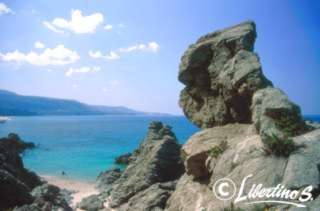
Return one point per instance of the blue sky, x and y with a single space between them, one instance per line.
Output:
135 47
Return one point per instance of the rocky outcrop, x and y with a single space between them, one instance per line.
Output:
221 72
46 197
21 189
242 156
157 160
225 84
250 127
16 182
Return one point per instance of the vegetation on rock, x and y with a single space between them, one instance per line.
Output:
216 151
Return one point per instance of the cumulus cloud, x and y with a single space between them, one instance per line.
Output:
4 9
108 27
82 70
59 55
112 55
38 44
78 23
98 55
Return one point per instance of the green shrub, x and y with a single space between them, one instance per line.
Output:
279 147
216 151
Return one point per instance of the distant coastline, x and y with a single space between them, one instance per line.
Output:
13 104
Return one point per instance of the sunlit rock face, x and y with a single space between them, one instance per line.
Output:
220 73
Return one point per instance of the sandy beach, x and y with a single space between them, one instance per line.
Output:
81 189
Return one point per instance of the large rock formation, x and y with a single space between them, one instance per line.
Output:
225 88
156 161
16 182
225 84
221 72
21 189
242 156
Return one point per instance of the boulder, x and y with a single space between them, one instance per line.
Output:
46 197
275 115
91 203
220 73
157 160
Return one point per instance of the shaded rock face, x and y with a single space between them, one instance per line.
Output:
106 179
243 157
16 182
157 160
221 73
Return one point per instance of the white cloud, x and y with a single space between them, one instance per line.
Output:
151 46
52 28
98 55
113 55
38 44
82 70
55 56
4 9
78 23
108 27
75 86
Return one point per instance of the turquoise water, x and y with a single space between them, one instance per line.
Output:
83 146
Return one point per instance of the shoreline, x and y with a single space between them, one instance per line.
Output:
80 189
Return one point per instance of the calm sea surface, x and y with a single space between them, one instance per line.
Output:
83 146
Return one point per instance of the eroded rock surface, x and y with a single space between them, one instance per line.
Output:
242 157
16 182
156 161
221 72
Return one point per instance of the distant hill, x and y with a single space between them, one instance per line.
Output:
12 104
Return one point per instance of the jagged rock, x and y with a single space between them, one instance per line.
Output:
221 73
107 178
153 198
242 157
275 115
157 160
16 182
91 203
46 197
14 143
123 159
13 192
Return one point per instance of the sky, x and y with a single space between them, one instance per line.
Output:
127 53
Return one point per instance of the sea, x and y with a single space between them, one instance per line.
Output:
84 146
